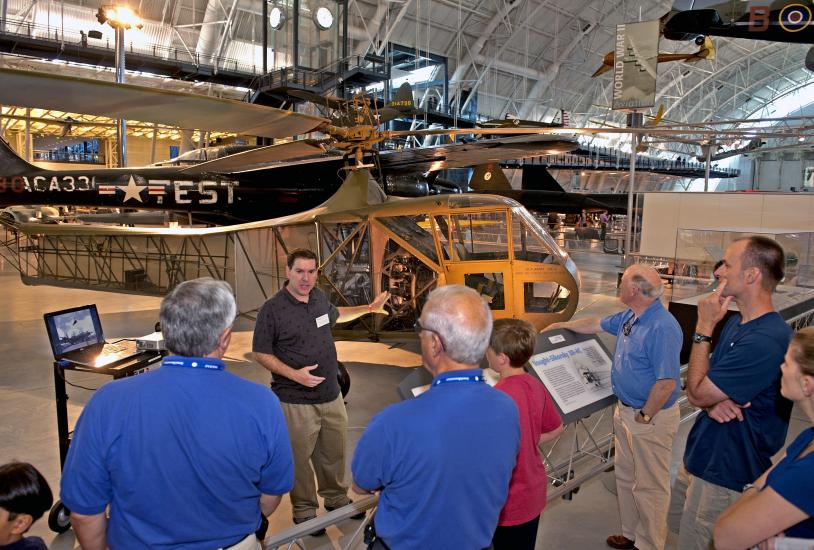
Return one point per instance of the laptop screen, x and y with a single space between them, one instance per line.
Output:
72 329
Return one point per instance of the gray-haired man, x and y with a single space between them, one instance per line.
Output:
645 378
185 456
446 457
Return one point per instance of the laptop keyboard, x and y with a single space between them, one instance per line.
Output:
115 348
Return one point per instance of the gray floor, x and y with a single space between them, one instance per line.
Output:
28 431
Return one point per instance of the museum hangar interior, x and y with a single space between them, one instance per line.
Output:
503 99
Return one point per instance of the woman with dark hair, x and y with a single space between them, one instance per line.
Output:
781 501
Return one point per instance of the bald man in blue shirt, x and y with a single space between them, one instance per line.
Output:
645 379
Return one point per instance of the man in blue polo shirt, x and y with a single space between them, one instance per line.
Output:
745 419
187 456
442 462
645 378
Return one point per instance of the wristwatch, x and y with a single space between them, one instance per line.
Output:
645 417
697 338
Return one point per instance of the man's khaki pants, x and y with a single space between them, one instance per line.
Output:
318 434
642 466
702 503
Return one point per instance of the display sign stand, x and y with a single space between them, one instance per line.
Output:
574 368
576 371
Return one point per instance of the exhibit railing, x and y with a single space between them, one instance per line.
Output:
603 158
324 79
290 538
62 37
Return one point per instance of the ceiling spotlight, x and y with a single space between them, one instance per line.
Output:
119 17
276 17
323 18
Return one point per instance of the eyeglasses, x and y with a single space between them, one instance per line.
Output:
418 328
627 326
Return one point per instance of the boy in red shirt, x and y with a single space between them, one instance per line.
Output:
510 347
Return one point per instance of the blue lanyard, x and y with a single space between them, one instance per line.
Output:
451 379
207 363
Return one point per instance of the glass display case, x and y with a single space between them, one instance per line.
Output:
698 251
697 254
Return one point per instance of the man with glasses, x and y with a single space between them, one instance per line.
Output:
442 462
186 456
645 379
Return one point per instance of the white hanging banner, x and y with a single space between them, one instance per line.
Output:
635 65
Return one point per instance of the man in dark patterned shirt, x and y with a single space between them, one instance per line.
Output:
292 339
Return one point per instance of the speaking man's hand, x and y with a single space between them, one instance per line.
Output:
307 379
377 305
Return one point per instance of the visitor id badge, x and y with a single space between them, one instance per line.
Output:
322 320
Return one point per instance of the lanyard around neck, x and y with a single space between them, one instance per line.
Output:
454 379
207 363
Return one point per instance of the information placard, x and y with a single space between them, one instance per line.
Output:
575 375
576 371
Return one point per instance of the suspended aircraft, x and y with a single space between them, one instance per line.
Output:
514 122
545 194
232 184
719 154
705 52
777 21
261 182
366 242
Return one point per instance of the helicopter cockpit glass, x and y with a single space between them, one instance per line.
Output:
442 230
531 228
415 230
528 245
479 236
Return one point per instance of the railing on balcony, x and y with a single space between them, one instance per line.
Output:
65 37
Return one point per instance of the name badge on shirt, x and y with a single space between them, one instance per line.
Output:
322 320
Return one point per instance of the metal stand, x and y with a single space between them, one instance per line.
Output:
59 519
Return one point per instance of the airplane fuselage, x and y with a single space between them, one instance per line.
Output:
247 197
780 21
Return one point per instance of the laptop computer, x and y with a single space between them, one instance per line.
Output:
76 335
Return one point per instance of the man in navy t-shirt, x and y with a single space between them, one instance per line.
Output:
442 462
186 457
744 419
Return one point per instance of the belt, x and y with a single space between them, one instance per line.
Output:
249 542
626 405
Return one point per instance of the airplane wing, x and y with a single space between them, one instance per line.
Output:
439 157
457 155
128 101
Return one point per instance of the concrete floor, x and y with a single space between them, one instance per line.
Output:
28 431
